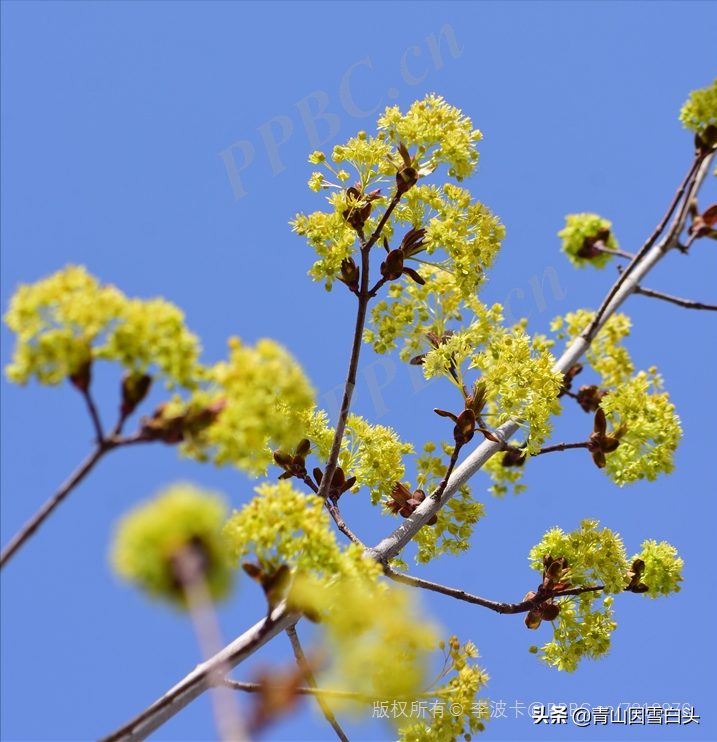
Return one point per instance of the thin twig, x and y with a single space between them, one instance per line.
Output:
44 512
504 608
301 691
103 446
687 303
93 414
333 509
350 385
608 251
305 668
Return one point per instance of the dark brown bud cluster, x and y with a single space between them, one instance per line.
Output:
82 378
135 388
274 582
554 574
470 420
294 465
635 574
589 248
588 397
404 502
339 483
407 176
569 377
706 142
703 224
393 267
600 442
175 428
350 274
360 206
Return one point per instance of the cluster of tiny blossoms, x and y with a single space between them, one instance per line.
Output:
700 109
597 557
606 354
377 646
456 521
439 131
69 319
580 228
466 680
585 623
150 539
663 568
521 384
653 430
648 447
371 453
431 133
466 231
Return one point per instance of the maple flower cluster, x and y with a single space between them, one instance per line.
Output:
69 319
584 624
150 539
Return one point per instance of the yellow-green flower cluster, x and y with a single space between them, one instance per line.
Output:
379 639
663 568
521 384
440 131
469 234
371 453
582 630
151 537
585 622
578 228
459 693
285 526
369 156
456 520
505 478
433 133
606 354
265 397
700 109
412 310
331 237
648 447
595 556
374 455
68 319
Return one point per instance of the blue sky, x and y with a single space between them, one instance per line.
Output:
118 126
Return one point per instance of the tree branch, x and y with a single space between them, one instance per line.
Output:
303 664
363 300
505 608
687 303
104 445
671 240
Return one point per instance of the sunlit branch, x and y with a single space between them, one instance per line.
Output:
303 664
671 240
